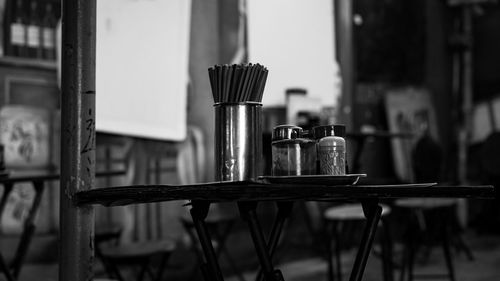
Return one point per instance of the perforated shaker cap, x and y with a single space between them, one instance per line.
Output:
328 131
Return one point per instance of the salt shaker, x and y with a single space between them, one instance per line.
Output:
292 154
331 149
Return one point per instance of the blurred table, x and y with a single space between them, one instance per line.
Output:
9 179
248 194
360 138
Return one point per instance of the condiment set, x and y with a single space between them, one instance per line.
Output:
321 151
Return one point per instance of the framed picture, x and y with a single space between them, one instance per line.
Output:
25 133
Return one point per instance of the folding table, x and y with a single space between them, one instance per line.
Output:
248 194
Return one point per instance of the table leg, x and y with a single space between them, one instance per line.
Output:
211 270
249 214
372 213
284 210
5 269
28 230
3 266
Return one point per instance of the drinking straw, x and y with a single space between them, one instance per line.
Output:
237 69
237 82
243 77
229 79
242 94
219 81
212 86
223 74
248 88
262 86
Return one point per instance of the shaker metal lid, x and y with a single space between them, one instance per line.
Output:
328 131
286 132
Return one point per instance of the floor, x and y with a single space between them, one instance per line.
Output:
484 267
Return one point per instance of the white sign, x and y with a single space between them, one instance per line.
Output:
142 67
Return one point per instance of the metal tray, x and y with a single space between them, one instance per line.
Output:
349 179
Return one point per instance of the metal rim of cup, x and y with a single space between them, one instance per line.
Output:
255 103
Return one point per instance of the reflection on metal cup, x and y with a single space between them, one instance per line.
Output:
238 141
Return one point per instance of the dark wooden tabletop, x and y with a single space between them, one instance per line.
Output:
262 191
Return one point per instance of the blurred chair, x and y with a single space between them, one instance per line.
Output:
487 217
102 236
27 135
191 164
142 254
431 222
220 225
419 159
339 221
430 219
146 255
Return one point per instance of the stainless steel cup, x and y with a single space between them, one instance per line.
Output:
238 141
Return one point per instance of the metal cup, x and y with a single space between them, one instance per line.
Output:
238 141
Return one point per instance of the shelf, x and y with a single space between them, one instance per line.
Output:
258 191
28 63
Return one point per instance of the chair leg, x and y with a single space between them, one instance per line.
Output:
328 229
411 258
404 262
221 238
387 262
5 269
161 267
115 271
447 254
462 246
338 259
408 256
143 270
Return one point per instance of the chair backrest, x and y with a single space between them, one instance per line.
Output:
409 111
157 162
490 158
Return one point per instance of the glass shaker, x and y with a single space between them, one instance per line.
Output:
331 149
292 153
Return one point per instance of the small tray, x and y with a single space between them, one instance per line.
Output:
349 179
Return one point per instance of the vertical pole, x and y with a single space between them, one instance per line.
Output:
77 138
464 134
345 57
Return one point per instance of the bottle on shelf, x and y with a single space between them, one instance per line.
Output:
49 23
17 45
34 32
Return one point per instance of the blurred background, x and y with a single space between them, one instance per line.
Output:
416 82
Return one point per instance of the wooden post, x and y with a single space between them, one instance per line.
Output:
345 57
77 138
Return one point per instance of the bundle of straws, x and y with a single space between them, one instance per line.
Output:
237 82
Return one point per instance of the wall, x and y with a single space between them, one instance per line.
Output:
204 52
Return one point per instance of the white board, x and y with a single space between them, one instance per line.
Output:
294 39
142 67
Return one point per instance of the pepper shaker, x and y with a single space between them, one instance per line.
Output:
331 149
